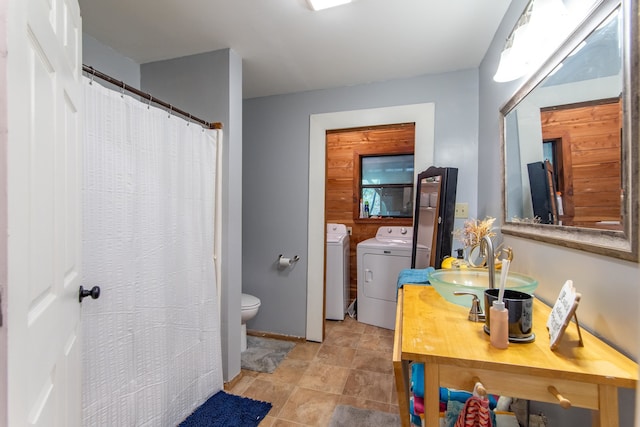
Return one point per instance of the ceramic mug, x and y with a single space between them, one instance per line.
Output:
520 306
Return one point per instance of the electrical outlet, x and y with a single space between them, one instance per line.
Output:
349 231
462 210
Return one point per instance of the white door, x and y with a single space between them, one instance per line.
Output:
44 217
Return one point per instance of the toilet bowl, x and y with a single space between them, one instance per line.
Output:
250 306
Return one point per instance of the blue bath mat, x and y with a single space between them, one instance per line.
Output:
228 410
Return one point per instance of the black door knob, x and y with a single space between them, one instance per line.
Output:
93 293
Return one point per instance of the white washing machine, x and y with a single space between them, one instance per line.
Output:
380 260
337 286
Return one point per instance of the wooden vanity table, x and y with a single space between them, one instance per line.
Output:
457 353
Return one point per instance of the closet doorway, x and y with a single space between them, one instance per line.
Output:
423 115
345 150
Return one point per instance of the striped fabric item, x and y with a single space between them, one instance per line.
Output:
475 413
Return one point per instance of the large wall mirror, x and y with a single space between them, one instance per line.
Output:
570 140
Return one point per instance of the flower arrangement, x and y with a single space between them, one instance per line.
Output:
474 231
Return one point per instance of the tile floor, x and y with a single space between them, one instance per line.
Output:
351 367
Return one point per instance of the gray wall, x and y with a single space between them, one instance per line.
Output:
197 83
276 181
4 217
110 62
609 287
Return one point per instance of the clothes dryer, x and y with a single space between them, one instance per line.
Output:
380 260
338 272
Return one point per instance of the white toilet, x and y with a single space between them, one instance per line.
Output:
250 306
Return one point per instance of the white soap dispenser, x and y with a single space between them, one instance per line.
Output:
499 316
499 325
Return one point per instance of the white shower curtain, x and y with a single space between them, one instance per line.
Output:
151 342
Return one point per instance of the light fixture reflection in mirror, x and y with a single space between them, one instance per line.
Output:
570 156
542 27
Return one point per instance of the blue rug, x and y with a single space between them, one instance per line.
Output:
228 410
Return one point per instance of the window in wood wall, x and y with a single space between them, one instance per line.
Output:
386 186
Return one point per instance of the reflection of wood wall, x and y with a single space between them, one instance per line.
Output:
590 156
342 186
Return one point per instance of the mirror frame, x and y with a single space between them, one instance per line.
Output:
617 244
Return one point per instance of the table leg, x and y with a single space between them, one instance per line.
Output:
431 395
401 372
607 416
400 366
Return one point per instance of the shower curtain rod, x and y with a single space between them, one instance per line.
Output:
122 85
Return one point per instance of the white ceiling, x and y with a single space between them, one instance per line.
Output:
288 48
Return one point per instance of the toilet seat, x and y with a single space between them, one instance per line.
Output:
249 302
